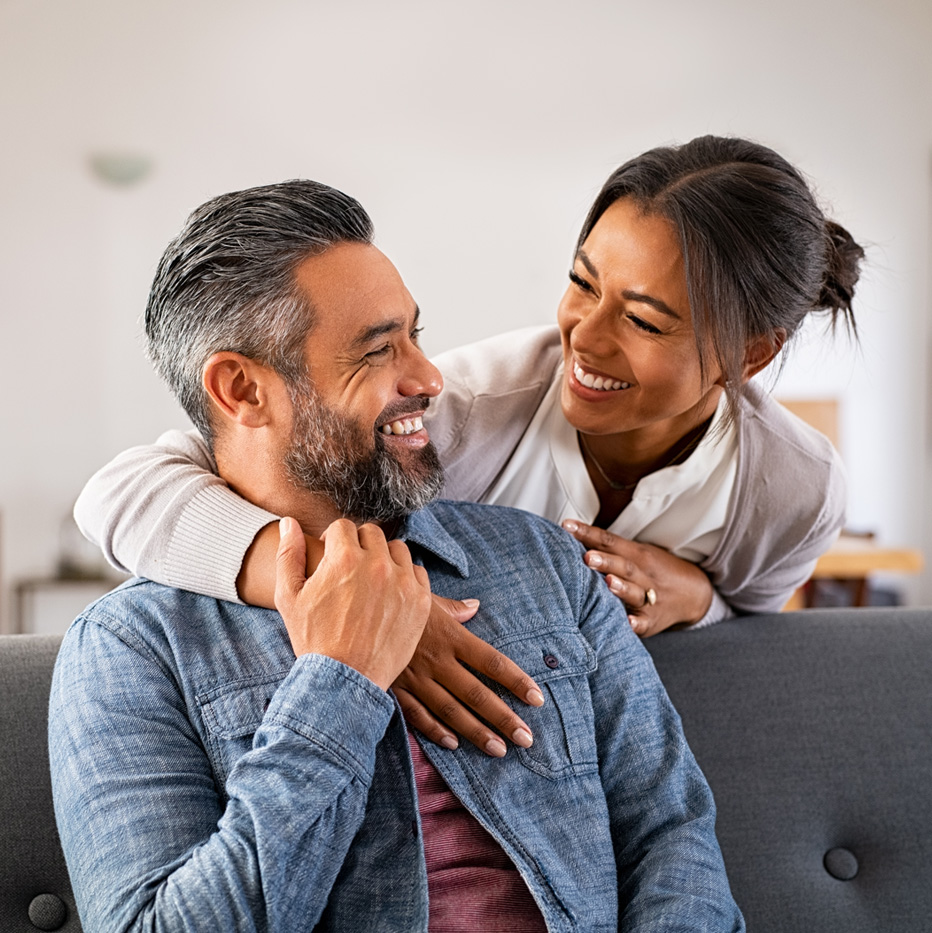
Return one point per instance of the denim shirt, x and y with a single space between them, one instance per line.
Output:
204 779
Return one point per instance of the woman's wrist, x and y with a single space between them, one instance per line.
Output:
255 583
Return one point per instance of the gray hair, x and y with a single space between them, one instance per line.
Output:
226 283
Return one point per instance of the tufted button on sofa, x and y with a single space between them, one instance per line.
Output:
35 893
814 729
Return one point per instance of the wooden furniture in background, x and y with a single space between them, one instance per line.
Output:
821 414
851 560
854 556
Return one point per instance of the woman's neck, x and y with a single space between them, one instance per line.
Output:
618 462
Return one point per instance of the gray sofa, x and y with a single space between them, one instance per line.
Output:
814 729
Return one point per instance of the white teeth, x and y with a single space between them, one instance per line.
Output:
602 383
403 426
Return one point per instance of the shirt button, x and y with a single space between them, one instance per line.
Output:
551 660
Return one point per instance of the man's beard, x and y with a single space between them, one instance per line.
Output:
329 455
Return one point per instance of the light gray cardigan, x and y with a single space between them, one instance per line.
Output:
786 508
161 512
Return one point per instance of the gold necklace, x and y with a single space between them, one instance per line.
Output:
627 487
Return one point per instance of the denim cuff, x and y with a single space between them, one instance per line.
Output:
334 706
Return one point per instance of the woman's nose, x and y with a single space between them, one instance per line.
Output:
591 333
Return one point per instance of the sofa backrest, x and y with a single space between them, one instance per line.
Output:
814 730
35 893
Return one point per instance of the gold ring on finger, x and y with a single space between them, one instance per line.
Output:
650 596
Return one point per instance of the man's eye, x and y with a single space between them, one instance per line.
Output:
416 334
380 352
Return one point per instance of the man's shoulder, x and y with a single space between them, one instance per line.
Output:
483 515
141 599
505 532
160 620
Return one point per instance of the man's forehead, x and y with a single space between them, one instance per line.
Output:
355 289
343 266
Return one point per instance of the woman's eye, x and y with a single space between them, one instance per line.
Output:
579 281
641 324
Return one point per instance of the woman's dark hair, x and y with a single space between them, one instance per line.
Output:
759 253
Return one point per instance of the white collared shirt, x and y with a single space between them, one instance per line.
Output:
681 508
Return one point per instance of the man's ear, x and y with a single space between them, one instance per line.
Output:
761 351
240 388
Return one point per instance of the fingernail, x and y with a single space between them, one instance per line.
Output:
470 603
449 742
283 526
522 737
634 623
535 697
594 560
570 525
495 748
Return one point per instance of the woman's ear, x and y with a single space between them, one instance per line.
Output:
761 351
239 388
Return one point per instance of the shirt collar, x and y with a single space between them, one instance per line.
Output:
424 529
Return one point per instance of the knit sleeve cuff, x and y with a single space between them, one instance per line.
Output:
717 611
207 546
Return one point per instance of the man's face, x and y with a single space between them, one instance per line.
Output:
356 433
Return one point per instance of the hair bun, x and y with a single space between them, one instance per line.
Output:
842 271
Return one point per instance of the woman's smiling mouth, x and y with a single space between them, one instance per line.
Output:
598 382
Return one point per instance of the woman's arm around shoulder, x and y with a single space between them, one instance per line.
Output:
161 512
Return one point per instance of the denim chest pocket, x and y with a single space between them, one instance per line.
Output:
231 714
560 662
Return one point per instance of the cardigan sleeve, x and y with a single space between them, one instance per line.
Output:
160 511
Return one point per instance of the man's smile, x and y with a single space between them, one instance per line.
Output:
403 426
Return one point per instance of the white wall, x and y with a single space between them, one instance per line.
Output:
475 134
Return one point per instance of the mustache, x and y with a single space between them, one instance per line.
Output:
405 406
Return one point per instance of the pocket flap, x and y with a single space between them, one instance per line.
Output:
549 654
236 709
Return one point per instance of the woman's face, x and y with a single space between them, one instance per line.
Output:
632 364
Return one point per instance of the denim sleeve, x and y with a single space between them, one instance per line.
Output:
150 841
671 876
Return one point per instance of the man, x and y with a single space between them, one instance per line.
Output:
222 767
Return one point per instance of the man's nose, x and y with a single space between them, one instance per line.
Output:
421 377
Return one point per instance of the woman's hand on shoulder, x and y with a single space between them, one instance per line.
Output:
658 589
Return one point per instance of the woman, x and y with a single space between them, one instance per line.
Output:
634 422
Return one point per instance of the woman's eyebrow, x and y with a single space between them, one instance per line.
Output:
661 306
628 294
584 259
